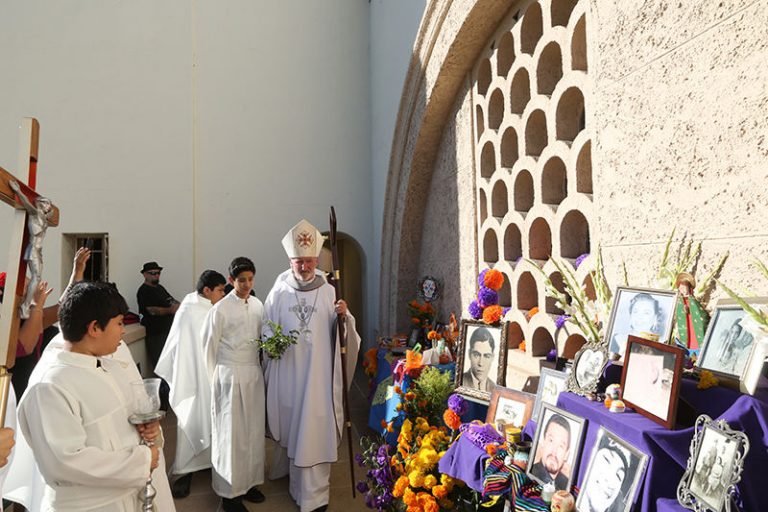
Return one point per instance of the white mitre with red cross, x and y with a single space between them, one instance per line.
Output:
303 241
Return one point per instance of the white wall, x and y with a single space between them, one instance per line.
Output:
394 24
192 132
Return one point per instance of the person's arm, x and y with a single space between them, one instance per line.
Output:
82 256
163 311
32 328
211 333
31 209
6 444
50 422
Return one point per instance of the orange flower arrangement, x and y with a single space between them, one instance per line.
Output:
493 279
492 314
451 419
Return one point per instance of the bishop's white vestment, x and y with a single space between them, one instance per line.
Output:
230 333
25 484
304 394
182 365
76 421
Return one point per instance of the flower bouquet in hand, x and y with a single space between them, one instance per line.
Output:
276 345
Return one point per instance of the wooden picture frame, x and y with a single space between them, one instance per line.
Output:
476 377
628 309
573 434
510 406
714 467
613 474
588 365
551 384
729 351
650 380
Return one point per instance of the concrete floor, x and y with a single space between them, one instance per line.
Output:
202 498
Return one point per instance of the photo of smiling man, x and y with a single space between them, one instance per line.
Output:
556 446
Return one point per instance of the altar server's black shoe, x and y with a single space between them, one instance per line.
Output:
233 505
180 488
254 495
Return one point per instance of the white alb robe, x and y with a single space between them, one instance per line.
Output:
182 365
25 484
230 333
304 394
76 421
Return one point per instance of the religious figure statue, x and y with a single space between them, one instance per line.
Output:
691 319
39 216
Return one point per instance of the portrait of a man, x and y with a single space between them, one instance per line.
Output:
612 475
480 359
557 442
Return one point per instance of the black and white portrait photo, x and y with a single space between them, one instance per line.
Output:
613 474
640 312
482 352
588 364
556 446
651 379
727 344
715 466
551 384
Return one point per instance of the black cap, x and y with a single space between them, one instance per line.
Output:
151 265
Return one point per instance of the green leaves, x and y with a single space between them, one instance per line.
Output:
276 345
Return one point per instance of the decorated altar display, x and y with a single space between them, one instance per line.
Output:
664 407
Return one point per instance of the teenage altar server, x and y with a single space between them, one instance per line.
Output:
304 401
231 332
182 365
76 417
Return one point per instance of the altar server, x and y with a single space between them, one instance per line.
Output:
231 333
182 365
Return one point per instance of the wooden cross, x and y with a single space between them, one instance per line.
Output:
17 267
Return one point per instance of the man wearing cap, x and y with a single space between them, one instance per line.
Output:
304 399
156 307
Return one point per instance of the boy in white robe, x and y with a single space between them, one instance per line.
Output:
182 365
304 394
231 332
76 418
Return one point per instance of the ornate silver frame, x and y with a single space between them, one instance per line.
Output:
689 498
572 383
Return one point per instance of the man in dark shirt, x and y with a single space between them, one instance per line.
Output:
157 308
554 451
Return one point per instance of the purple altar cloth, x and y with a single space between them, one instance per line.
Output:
668 450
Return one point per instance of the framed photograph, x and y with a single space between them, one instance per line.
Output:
614 473
481 359
714 467
556 447
640 312
510 407
551 384
729 350
651 379
588 364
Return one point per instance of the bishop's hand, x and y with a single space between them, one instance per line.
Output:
341 307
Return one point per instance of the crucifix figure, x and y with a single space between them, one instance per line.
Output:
39 216
18 239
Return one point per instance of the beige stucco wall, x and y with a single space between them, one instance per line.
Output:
677 104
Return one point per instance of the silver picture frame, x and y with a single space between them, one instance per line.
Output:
714 467
588 365
551 384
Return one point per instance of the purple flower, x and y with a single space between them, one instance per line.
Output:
362 487
475 311
369 500
504 312
481 278
560 321
359 460
552 355
382 457
487 297
457 404
580 259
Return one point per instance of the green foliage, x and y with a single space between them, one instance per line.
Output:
432 390
686 257
757 315
276 345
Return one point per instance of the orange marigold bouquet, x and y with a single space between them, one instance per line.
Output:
486 305
422 313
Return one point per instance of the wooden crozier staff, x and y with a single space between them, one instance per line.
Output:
17 242
342 330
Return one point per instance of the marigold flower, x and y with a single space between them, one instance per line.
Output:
492 314
707 380
439 491
416 478
383 423
399 407
415 320
409 497
430 481
531 312
432 335
410 395
493 279
390 428
522 346
451 419
400 486
491 449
